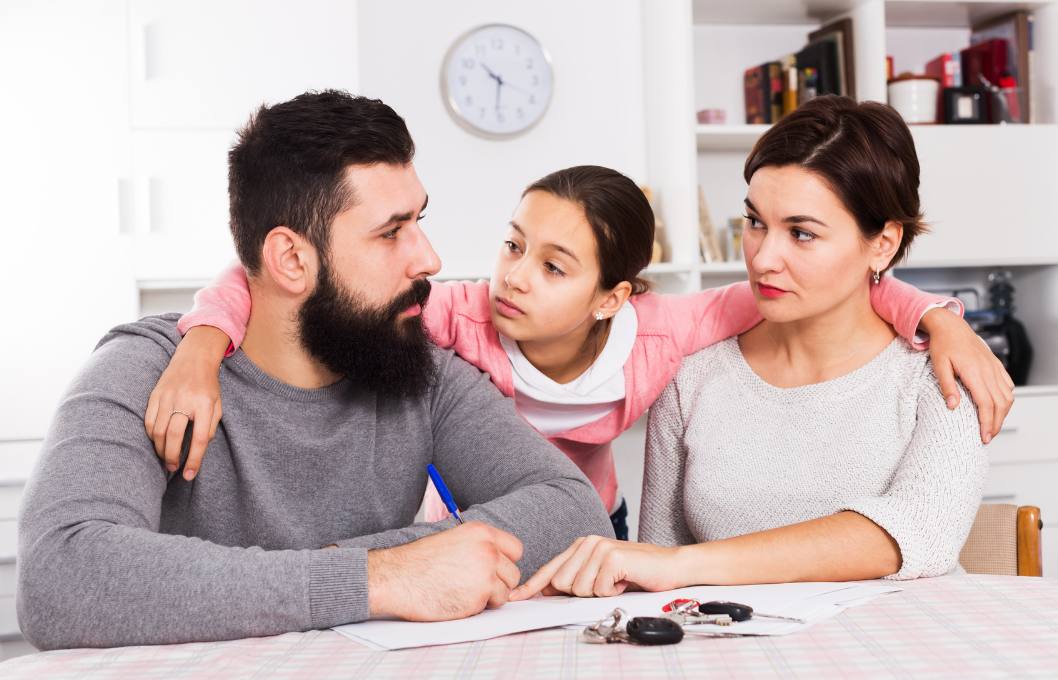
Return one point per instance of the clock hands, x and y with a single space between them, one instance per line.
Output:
500 82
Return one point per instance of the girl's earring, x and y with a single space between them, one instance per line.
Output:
877 277
598 316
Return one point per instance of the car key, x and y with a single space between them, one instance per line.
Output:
651 630
739 612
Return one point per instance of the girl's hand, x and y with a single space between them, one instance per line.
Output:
189 385
957 351
602 567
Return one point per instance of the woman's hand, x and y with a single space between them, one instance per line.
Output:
602 567
957 351
188 385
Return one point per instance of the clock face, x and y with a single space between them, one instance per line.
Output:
496 81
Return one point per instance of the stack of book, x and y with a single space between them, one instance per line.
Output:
824 66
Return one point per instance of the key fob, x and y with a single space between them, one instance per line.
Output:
650 630
737 612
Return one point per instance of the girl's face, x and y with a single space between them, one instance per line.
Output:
545 283
804 252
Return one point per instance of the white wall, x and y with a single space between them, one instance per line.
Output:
595 117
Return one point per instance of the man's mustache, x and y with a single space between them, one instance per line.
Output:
419 294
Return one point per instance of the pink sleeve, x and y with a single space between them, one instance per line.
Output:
223 304
903 305
702 319
439 313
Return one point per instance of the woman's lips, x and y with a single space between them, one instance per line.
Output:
770 291
508 308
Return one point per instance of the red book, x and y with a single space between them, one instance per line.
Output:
988 59
946 67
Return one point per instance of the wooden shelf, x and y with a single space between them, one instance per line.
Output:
728 137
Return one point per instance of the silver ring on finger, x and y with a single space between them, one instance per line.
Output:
182 413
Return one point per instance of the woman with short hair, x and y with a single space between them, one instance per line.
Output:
817 446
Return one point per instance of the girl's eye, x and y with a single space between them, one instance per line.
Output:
422 217
392 234
754 223
512 246
552 269
802 236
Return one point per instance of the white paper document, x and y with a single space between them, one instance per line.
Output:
813 602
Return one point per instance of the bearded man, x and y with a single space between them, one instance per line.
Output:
333 407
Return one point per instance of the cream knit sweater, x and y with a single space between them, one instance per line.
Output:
729 454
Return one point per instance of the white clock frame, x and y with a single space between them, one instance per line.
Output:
449 97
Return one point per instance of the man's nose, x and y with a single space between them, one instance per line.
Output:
425 261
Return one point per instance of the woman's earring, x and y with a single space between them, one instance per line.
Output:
598 316
877 277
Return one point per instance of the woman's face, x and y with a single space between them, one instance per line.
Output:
804 252
545 282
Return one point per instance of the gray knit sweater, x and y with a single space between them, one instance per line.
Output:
114 550
729 454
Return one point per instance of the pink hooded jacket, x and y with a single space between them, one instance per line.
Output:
671 327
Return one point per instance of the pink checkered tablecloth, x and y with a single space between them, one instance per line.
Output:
949 627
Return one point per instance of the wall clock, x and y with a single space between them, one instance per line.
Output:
496 81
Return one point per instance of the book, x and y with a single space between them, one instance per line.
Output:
1017 29
707 240
762 87
789 83
822 58
840 34
947 68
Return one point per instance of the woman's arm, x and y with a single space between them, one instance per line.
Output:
956 350
661 519
223 304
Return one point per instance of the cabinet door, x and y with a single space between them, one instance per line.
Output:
197 64
987 192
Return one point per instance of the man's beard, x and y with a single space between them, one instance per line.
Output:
379 348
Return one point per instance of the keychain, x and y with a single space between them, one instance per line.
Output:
718 612
641 630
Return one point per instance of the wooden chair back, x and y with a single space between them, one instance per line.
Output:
1005 540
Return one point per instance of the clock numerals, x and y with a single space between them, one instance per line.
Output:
497 44
469 100
469 63
532 99
529 63
519 113
479 50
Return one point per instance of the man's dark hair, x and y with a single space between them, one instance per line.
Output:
288 167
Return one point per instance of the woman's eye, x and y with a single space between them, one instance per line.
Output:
754 223
512 246
552 269
802 236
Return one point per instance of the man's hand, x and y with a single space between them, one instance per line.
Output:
450 575
957 351
189 385
602 567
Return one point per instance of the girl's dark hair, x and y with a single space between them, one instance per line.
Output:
865 154
620 217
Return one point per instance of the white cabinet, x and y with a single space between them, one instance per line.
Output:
206 65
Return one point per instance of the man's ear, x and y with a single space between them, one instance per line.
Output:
290 260
615 299
886 245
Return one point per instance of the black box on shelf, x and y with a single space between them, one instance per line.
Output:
965 105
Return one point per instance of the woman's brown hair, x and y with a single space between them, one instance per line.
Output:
620 217
863 151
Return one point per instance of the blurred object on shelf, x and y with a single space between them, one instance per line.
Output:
1004 335
947 69
734 227
1004 100
789 82
985 62
889 70
659 252
822 58
706 234
1017 30
915 98
762 86
839 33
964 105
807 85
712 117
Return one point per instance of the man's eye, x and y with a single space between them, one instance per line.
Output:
422 217
392 234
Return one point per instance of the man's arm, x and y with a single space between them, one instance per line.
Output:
501 472
95 572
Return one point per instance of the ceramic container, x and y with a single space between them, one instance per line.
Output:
915 98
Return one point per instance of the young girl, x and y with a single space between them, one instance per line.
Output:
554 332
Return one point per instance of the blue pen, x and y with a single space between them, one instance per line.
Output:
439 484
